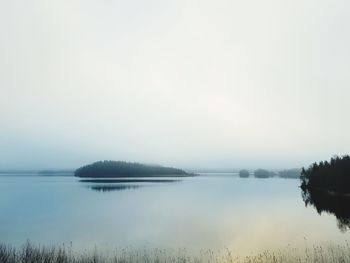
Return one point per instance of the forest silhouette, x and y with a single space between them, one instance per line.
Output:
126 169
326 187
332 176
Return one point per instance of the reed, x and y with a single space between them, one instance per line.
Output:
30 253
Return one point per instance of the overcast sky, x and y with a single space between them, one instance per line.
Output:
189 83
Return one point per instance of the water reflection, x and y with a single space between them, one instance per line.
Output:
335 204
110 188
121 184
204 212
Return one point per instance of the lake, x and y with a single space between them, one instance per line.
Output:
211 211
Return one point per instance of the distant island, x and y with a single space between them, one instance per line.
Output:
244 173
110 169
262 173
332 176
290 173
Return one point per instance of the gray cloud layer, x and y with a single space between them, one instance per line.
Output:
186 83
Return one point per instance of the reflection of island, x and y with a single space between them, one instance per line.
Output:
120 184
113 187
108 169
326 186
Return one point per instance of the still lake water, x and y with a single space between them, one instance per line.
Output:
209 211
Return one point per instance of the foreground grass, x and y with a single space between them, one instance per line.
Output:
60 254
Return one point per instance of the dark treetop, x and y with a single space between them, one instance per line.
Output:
126 169
333 176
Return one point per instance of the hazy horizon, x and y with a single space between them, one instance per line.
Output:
195 169
190 84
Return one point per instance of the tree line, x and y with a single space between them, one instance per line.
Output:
125 169
262 173
332 176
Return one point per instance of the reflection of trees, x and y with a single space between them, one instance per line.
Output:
109 188
108 185
323 201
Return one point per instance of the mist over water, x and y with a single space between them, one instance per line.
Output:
212 211
203 86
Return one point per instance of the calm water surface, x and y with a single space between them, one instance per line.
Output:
210 211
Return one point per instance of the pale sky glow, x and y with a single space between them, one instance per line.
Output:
191 83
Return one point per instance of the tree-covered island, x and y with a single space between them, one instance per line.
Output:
244 173
262 173
109 169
